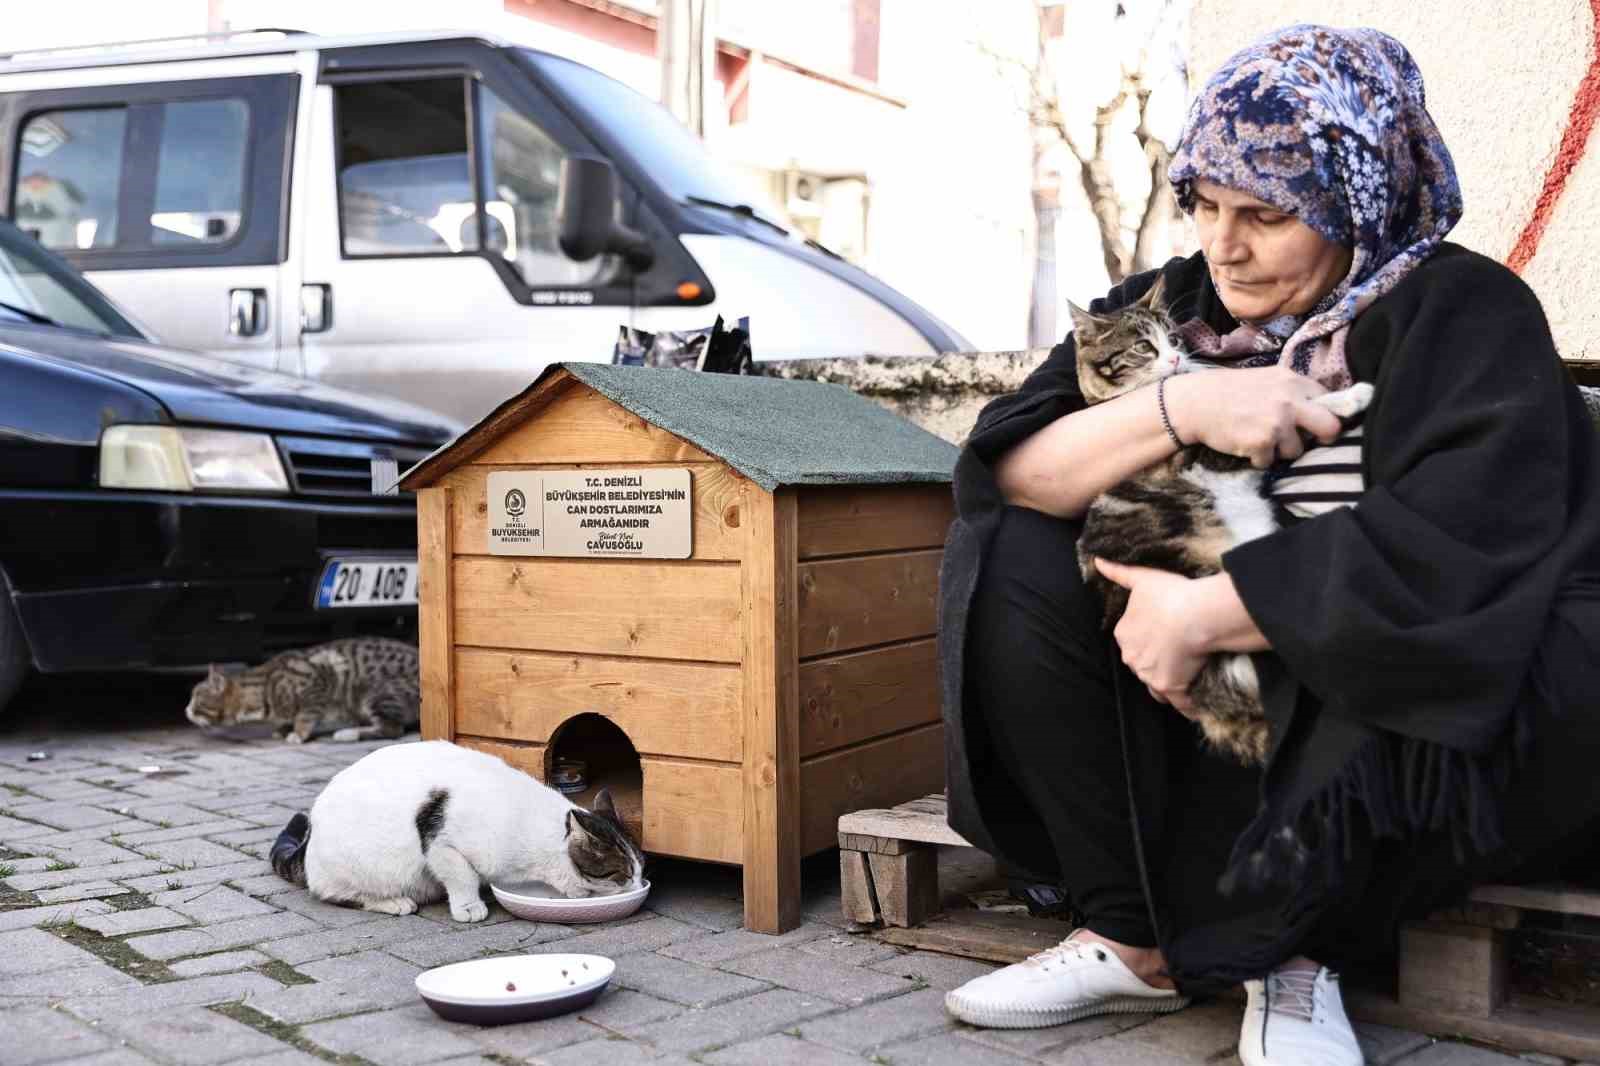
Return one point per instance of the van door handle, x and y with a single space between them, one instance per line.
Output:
247 312
316 307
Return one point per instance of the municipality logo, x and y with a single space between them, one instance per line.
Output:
516 503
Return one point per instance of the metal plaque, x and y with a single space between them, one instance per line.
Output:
606 514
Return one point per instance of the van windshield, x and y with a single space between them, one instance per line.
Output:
663 146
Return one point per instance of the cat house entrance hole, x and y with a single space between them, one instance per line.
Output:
611 763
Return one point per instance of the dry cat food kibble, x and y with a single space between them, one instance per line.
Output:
511 986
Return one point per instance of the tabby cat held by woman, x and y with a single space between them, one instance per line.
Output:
1183 513
361 688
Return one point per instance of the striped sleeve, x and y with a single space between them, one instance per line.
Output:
1325 478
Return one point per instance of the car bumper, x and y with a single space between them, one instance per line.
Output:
105 580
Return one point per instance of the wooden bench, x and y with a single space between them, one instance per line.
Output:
1452 979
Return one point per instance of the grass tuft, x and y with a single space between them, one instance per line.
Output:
284 1033
131 900
283 973
114 952
59 865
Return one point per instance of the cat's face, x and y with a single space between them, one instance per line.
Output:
213 700
218 701
601 851
1125 349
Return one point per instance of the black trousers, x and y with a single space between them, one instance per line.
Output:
1060 782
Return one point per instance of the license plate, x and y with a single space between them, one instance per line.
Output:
368 583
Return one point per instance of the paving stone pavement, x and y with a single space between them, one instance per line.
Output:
139 925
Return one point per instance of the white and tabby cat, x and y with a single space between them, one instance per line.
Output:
412 823
1183 513
359 688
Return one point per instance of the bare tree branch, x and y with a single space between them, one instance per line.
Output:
1160 205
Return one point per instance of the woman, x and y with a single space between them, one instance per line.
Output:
1426 626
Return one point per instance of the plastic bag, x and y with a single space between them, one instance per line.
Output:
713 349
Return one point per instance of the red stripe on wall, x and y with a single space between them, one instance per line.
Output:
1574 143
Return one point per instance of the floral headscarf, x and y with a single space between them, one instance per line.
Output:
1331 126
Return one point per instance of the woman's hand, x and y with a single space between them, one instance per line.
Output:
1256 414
1158 634
1172 623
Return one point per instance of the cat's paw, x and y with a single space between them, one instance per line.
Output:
346 734
294 738
397 905
1347 403
476 911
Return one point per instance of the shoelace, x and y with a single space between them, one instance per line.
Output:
1079 949
1293 993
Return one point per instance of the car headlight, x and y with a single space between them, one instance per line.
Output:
177 459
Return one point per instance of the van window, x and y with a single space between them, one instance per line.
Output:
522 182
405 177
200 172
67 176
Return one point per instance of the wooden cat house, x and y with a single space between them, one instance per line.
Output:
718 592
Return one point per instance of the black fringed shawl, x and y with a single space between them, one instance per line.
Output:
1403 629
1412 620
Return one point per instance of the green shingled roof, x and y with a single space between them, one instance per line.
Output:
774 432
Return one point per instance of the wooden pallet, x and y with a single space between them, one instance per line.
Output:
1452 978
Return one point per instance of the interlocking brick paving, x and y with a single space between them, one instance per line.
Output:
139 926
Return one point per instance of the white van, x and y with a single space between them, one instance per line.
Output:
386 213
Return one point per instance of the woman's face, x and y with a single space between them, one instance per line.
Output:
1264 263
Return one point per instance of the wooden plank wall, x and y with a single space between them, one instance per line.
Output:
868 568
654 646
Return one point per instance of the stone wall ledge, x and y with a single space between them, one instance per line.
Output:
943 394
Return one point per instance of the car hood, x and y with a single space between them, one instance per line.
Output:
204 390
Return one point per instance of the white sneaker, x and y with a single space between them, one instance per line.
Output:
1074 979
1296 1018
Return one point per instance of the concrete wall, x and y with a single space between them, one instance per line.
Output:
1515 90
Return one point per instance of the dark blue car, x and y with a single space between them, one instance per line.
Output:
160 508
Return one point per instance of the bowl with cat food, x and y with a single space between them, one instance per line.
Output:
539 902
514 988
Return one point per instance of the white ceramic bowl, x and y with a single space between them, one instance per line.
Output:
538 902
514 988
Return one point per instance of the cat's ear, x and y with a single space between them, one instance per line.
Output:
1083 321
603 804
1152 295
215 678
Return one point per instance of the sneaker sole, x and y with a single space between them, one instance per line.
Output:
988 1017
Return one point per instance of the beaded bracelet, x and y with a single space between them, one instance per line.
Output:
1166 422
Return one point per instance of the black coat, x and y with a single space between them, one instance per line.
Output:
1405 629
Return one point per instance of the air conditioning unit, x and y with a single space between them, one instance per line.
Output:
803 194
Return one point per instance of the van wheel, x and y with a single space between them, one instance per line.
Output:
15 660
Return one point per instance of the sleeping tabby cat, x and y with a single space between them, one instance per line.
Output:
360 688
413 822
1183 513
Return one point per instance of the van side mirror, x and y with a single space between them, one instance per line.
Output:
587 210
